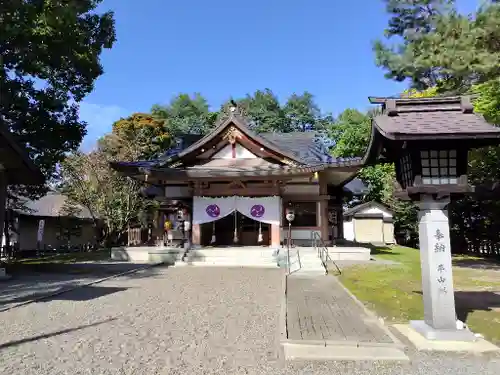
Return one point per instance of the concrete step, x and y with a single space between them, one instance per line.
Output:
213 264
233 257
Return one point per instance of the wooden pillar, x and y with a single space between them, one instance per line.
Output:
323 220
196 235
275 235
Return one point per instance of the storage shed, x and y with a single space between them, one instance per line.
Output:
369 222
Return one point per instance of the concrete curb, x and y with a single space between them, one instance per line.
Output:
282 334
74 287
373 317
339 343
342 353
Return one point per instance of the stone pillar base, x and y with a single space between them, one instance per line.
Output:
442 334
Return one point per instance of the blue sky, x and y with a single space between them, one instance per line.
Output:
224 48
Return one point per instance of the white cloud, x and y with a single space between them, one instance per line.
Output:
99 118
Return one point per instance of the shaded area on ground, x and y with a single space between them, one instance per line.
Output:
90 268
477 263
51 334
383 250
27 286
467 302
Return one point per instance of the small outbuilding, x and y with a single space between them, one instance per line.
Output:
46 223
369 222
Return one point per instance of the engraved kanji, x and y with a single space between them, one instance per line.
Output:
441 268
441 279
439 248
443 289
439 235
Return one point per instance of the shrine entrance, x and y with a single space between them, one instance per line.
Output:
249 232
236 221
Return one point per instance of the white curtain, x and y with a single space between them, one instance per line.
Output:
206 210
265 209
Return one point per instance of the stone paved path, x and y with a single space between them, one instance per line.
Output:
318 308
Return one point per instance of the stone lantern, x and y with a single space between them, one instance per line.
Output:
428 140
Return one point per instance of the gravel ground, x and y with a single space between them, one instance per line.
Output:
24 288
177 321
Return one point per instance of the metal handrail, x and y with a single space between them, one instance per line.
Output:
288 241
323 251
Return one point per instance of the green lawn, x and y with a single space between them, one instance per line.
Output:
394 291
69 257
57 262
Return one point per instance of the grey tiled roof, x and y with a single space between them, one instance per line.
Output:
52 205
437 118
306 146
356 187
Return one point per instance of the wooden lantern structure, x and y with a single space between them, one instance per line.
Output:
428 140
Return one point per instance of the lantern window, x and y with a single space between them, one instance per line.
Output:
439 167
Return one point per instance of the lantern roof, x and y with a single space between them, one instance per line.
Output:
437 118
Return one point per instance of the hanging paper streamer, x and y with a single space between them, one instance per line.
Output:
260 238
212 241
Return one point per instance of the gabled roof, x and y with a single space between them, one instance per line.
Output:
356 187
52 205
431 118
299 153
357 209
241 124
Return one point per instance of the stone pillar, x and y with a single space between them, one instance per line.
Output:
437 280
196 235
275 235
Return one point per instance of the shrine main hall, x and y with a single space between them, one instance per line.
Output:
235 186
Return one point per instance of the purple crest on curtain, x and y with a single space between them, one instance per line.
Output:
257 210
213 210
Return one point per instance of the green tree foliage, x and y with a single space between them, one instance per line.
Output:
49 60
186 114
488 101
264 109
351 133
303 113
439 46
113 200
137 137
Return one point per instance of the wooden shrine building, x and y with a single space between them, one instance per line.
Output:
237 184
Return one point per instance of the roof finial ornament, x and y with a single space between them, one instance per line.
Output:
233 106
